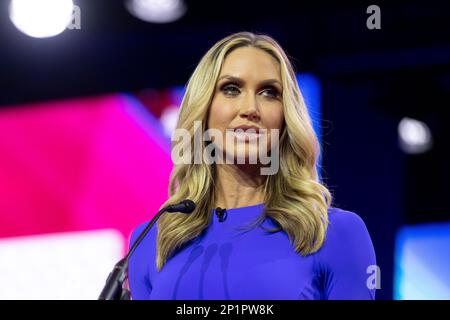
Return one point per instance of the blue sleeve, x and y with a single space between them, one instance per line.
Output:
347 258
139 266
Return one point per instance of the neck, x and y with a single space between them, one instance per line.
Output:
238 186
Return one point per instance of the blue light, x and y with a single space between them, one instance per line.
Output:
422 261
311 91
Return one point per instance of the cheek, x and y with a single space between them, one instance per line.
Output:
274 117
220 114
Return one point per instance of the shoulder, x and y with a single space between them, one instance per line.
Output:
145 252
345 257
343 223
140 266
137 231
347 235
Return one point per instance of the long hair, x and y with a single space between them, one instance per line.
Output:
294 197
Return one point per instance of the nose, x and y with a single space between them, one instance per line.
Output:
250 108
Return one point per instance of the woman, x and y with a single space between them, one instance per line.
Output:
252 235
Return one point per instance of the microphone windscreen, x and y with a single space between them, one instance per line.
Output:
189 206
185 206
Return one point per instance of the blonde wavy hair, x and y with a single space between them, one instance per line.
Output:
294 197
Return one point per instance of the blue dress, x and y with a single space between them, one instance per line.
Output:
224 263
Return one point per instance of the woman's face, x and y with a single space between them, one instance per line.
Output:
248 96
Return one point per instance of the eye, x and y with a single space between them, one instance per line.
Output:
271 92
230 89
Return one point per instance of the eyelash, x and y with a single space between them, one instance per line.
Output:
227 86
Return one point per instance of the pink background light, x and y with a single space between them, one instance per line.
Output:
81 164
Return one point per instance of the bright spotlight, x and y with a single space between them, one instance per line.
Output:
156 11
41 18
414 136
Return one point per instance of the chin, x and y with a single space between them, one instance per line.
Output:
247 154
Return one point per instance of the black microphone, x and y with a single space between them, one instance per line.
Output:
113 289
221 214
185 206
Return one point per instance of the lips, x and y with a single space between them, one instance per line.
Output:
246 133
254 129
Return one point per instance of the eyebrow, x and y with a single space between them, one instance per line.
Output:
240 81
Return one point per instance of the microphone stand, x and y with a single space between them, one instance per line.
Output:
113 289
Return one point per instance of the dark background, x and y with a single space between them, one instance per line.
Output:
370 80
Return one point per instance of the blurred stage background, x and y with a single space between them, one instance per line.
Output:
86 117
